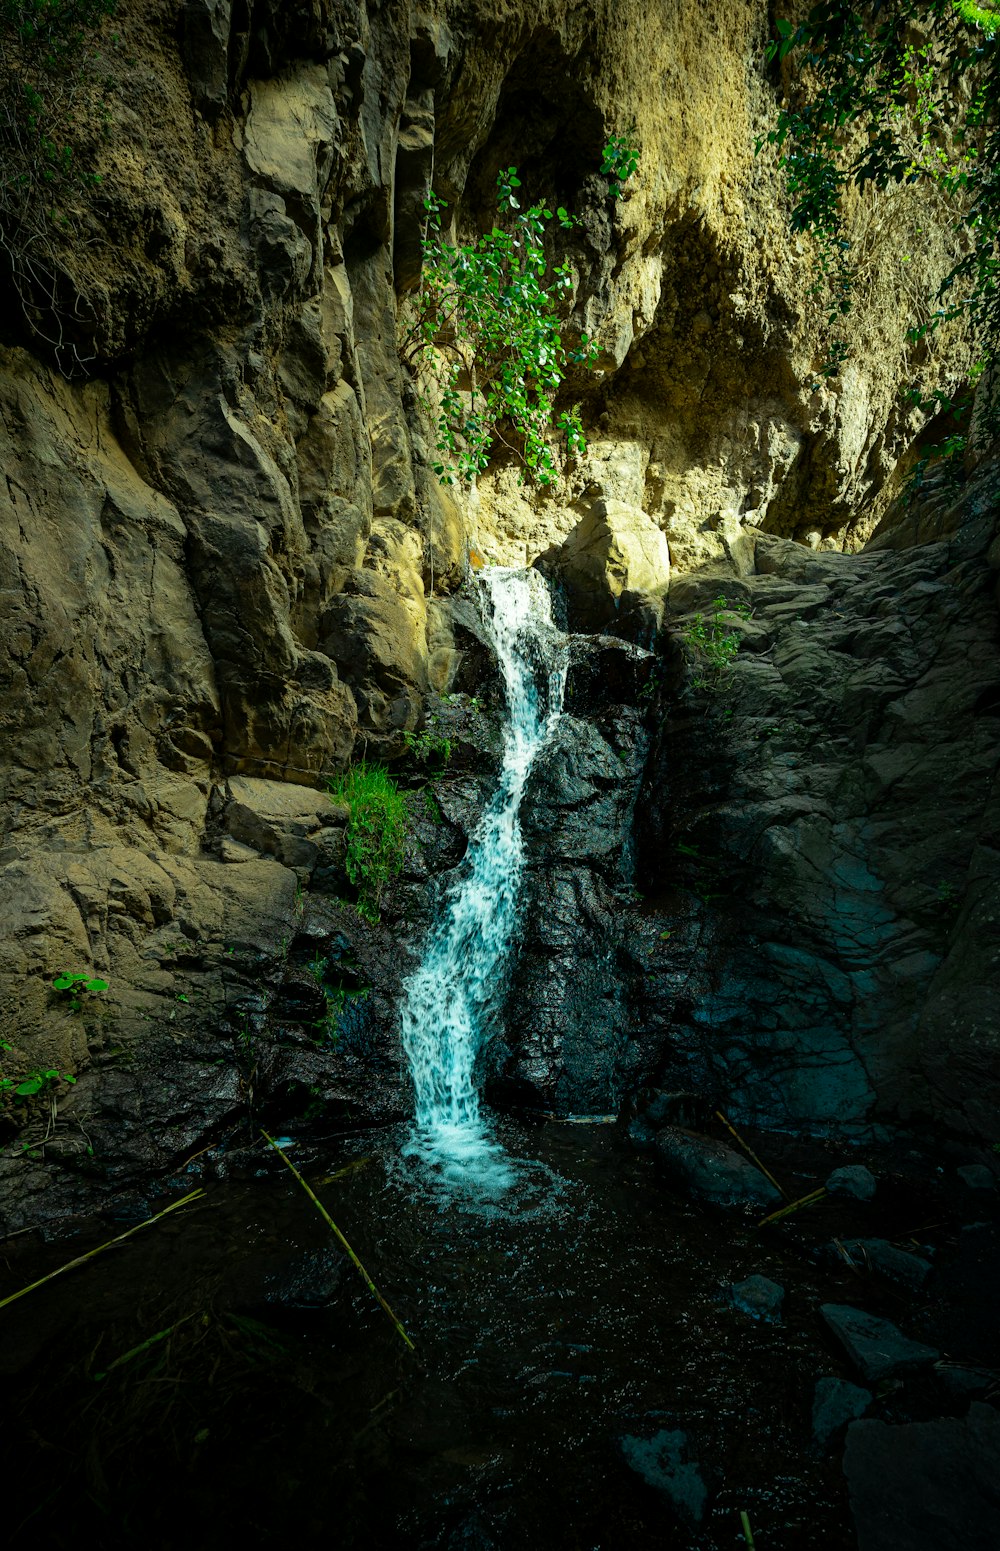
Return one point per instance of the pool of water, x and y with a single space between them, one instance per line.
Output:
583 1304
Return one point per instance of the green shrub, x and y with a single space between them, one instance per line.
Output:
713 642
890 94
487 330
376 831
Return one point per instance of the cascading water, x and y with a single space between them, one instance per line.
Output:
448 1000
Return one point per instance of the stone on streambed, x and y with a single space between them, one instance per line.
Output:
835 1403
976 1176
711 1171
660 1461
878 1255
853 1180
877 1349
926 1486
759 1297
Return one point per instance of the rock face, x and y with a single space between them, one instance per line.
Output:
227 570
816 828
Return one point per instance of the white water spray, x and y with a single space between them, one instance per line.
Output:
448 999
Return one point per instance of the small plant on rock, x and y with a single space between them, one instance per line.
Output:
376 831
77 988
429 747
34 1082
619 161
714 642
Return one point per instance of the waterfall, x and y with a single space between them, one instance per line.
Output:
449 998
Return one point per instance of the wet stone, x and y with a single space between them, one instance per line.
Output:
926 1486
976 1176
711 1171
875 1346
962 1381
835 1403
310 1281
660 1461
852 1180
759 1297
878 1255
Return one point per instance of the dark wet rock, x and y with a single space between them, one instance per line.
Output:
962 1381
311 1281
834 802
604 674
663 1464
853 1180
641 1134
835 1403
878 1255
570 1042
875 1346
759 1297
690 1110
926 1486
977 1176
711 1171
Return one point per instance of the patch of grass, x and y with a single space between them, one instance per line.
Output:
376 831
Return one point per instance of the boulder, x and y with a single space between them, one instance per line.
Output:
615 549
661 1462
711 1171
835 1403
885 1259
854 1180
759 1297
926 1486
875 1346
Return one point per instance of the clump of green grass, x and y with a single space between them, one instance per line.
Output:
376 831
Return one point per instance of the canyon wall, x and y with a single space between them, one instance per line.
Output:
227 568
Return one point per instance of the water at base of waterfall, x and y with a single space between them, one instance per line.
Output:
450 998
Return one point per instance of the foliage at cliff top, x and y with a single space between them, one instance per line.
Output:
889 93
489 337
53 91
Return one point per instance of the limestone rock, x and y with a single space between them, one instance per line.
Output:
279 819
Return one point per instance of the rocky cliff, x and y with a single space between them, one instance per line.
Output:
227 570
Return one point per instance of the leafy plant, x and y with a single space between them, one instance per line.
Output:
713 641
428 747
376 831
488 334
619 161
898 92
76 987
39 1080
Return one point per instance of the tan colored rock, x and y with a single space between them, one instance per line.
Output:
613 550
